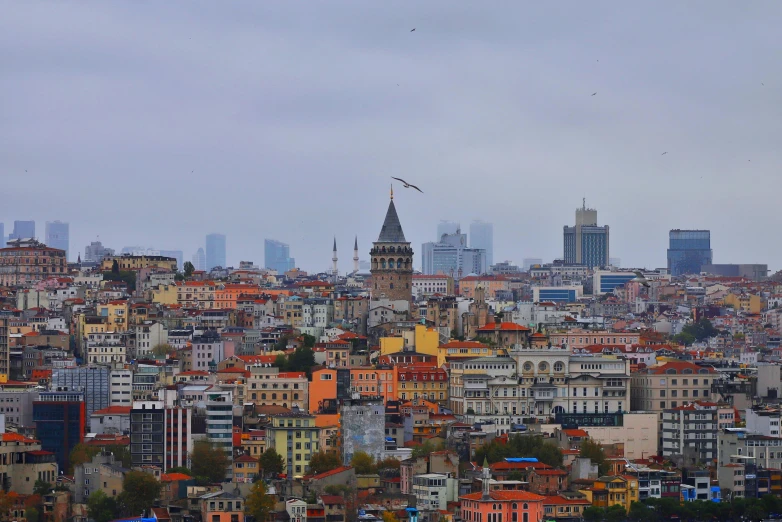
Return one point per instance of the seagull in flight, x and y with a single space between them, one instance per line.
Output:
407 185
664 153
413 29
594 93
640 278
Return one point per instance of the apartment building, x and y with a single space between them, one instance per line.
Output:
268 386
26 261
691 431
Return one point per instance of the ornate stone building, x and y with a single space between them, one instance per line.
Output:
392 261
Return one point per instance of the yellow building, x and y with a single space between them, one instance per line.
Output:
463 349
196 294
748 303
86 325
618 490
116 313
128 262
165 294
254 443
424 340
295 437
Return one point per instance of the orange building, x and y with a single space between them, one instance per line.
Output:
501 505
322 386
371 382
490 284
227 295
422 380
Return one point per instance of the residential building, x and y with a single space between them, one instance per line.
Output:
94 381
363 423
421 380
688 251
60 417
161 436
578 338
221 506
268 386
426 285
245 469
490 286
215 251
111 420
208 350
5 353
28 261
219 419
148 335
482 238
127 262
199 260
433 491
619 490
690 431
23 462
755 272
452 257
763 421
121 387
57 236
105 348
295 436
22 230
102 473
586 243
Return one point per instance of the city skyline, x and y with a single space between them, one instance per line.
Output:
519 153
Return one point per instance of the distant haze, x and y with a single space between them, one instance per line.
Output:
293 116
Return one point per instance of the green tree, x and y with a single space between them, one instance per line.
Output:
162 350
593 514
272 462
81 454
684 338
208 462
337 489
592 450
521 446
388 463
363 463
139 492
188 269
301 360
115 267
121 454
32 514
101 507
321 462
426 448
258 503
309 340
180 469
41 488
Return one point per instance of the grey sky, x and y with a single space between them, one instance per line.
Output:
290 116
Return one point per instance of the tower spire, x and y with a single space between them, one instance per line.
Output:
392 192
355 256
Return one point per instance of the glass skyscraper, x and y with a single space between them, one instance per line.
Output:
215 251
23 230
482 237
57 235
586 243
688 251
276 256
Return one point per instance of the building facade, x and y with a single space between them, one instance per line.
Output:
452 257
688 251
295 437
276 256
28 261
60 418
23 230
215 251
482 238
586 243
58 235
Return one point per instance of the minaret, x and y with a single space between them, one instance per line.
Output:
335 270
485 480
355 256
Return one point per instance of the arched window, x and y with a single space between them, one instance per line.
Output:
263 396
559 367
274 396
543 367
383 264
399 263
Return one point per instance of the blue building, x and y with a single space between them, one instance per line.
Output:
556 294
586 243
277 256
604 281
688 251
60 417
58 236
215 251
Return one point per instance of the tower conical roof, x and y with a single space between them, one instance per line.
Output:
392 229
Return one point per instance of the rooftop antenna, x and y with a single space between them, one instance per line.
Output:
584 203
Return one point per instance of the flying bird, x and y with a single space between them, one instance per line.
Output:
664 153
408 185
640 278
594 93
413 29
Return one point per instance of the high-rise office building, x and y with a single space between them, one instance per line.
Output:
688 251
586 243
482 237
199 260
60 416
23 230
219 419
215 251
176 254
57 235
446 227
450 256
94 381
95 252
276 256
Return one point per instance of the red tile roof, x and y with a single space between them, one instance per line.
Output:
505 327
464 344
330 472
245 458
511 466
113 410
174 477
575 433
679 367
524 496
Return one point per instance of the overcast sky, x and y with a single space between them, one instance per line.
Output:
154 123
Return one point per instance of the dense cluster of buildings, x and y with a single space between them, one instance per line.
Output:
675 375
